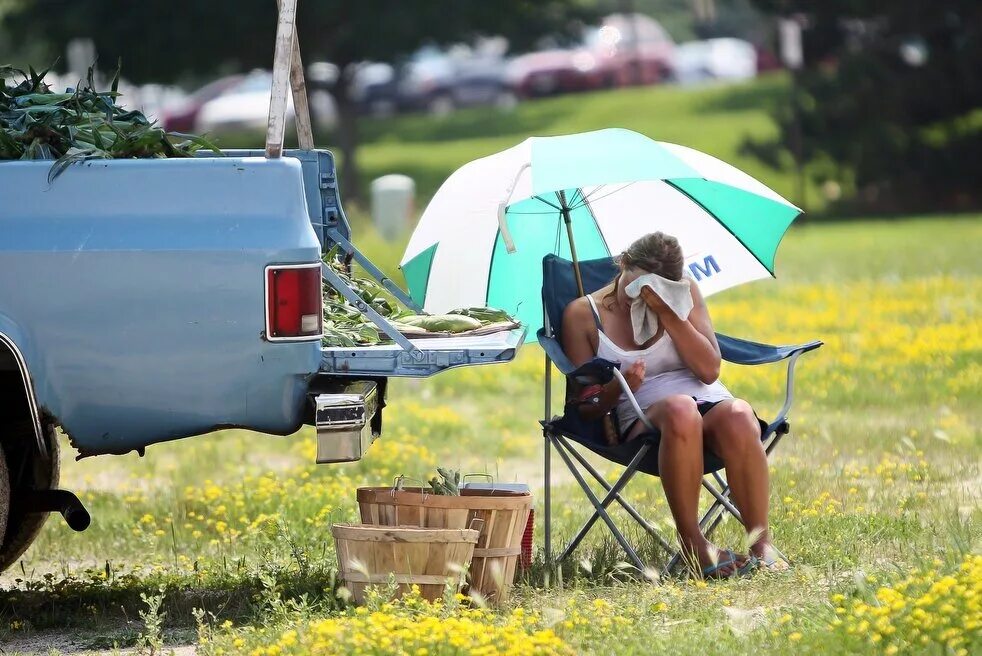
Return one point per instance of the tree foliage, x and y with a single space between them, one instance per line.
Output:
171 40
890 101
161 41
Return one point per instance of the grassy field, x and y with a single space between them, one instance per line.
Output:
875 496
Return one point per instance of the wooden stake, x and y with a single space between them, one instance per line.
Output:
305 133
282 56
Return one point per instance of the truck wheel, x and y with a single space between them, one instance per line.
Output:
4 492
18 444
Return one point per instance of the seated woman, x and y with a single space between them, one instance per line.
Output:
674 376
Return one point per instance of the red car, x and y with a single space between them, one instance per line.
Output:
623 50
183 116
549 72
631 49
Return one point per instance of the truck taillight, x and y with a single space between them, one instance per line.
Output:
293 301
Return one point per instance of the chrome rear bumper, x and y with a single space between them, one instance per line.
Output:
343 419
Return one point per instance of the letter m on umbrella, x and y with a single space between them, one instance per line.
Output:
704 269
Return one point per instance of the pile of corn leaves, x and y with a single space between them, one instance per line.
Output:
345 325
79 124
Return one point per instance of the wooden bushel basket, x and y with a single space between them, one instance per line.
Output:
502 517
380 555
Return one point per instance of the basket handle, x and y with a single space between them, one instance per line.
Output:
463 479
399 480
476 524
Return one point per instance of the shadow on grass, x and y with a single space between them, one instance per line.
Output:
765 93
92 603
113 605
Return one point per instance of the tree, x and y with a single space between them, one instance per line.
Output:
889 101
163 41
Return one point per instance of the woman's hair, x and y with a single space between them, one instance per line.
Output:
656 253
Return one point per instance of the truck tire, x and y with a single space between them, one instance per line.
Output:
17 441
4 492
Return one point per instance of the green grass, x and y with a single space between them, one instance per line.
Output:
880 475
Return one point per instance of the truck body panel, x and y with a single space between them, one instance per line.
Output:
134 290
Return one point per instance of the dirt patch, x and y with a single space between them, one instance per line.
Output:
76 642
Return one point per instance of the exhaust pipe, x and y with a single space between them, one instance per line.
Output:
61 501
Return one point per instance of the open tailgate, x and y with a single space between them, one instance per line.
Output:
430 355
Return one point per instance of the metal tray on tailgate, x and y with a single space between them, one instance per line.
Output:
430 355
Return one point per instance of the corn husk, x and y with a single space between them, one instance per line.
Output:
78 125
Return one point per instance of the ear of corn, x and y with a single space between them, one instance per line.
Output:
437 323
483 314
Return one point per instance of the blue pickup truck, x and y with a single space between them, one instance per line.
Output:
150 300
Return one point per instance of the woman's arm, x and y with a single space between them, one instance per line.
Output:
577 326
694 337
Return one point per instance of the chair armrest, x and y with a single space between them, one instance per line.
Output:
741 351
595 372
555 352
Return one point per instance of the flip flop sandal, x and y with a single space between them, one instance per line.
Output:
732 559
773 564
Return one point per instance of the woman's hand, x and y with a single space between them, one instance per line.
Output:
654 301
695 339
635 375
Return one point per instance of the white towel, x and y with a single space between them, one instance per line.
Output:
676 295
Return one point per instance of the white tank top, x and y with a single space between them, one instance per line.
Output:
665 373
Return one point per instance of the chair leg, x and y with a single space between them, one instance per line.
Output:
547 501
722 498
547 471
600 507
623 502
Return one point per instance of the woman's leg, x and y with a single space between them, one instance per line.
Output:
733 433
680 466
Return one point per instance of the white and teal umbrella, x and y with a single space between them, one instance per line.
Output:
482 238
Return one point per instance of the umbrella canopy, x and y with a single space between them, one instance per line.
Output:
482 238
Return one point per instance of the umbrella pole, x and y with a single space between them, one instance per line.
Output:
572 244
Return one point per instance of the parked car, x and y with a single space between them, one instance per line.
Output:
767 59
435 81
630 49
183 117
375 89
245 106
715 59
624 49
438 81
554 71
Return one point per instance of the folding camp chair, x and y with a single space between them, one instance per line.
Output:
559 288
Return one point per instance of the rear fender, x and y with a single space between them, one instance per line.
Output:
15 345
